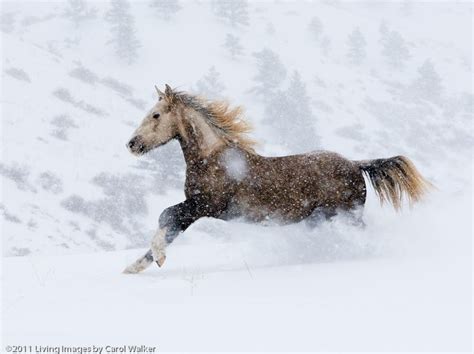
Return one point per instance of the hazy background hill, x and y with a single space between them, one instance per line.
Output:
367 80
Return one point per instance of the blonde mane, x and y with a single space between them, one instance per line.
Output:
227 122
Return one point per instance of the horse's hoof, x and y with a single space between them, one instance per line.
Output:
134 268
129 270
161 259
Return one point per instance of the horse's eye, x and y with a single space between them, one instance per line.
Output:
159 99
156 115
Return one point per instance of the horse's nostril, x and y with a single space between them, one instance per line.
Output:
132 142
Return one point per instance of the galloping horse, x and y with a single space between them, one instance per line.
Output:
226 178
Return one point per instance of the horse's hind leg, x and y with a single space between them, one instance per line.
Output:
356 217
319 215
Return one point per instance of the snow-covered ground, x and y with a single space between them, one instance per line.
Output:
215 296
76 207
403 284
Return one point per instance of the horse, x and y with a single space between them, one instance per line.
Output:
227 179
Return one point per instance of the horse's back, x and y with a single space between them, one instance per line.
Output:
316 167
292 188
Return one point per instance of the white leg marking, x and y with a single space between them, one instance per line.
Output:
158 245
140 264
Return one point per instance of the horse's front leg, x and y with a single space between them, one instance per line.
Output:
155 253
174 220
140 264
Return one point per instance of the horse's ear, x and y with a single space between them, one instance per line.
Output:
160 94
168 90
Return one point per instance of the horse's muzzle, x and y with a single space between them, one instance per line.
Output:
136 146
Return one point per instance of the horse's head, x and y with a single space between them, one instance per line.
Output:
157 128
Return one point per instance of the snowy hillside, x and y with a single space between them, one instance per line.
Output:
69 106
367 80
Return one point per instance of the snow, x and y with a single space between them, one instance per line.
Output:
235 164
412 294
77 208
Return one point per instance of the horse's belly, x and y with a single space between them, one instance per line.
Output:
264 205
258 212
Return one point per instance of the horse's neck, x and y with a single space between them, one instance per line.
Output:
191 152
199 140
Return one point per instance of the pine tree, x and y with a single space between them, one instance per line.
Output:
210 85
270 29
395 50
406 8
357 44
166 8
316 28
7 22
271 72
234 12
122 27
289 113
78 11
232 43
303 131
383 29
428 83
325 45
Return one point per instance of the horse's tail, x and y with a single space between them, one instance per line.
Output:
393 178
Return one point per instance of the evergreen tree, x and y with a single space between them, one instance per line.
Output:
406 8
166 8
7 22
357 44
383 31
289 113
271 72
125 43
428 83
78 11
234 12
316 28
395 50
270 29
232 44
210 86
325 45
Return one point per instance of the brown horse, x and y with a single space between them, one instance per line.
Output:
226 179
